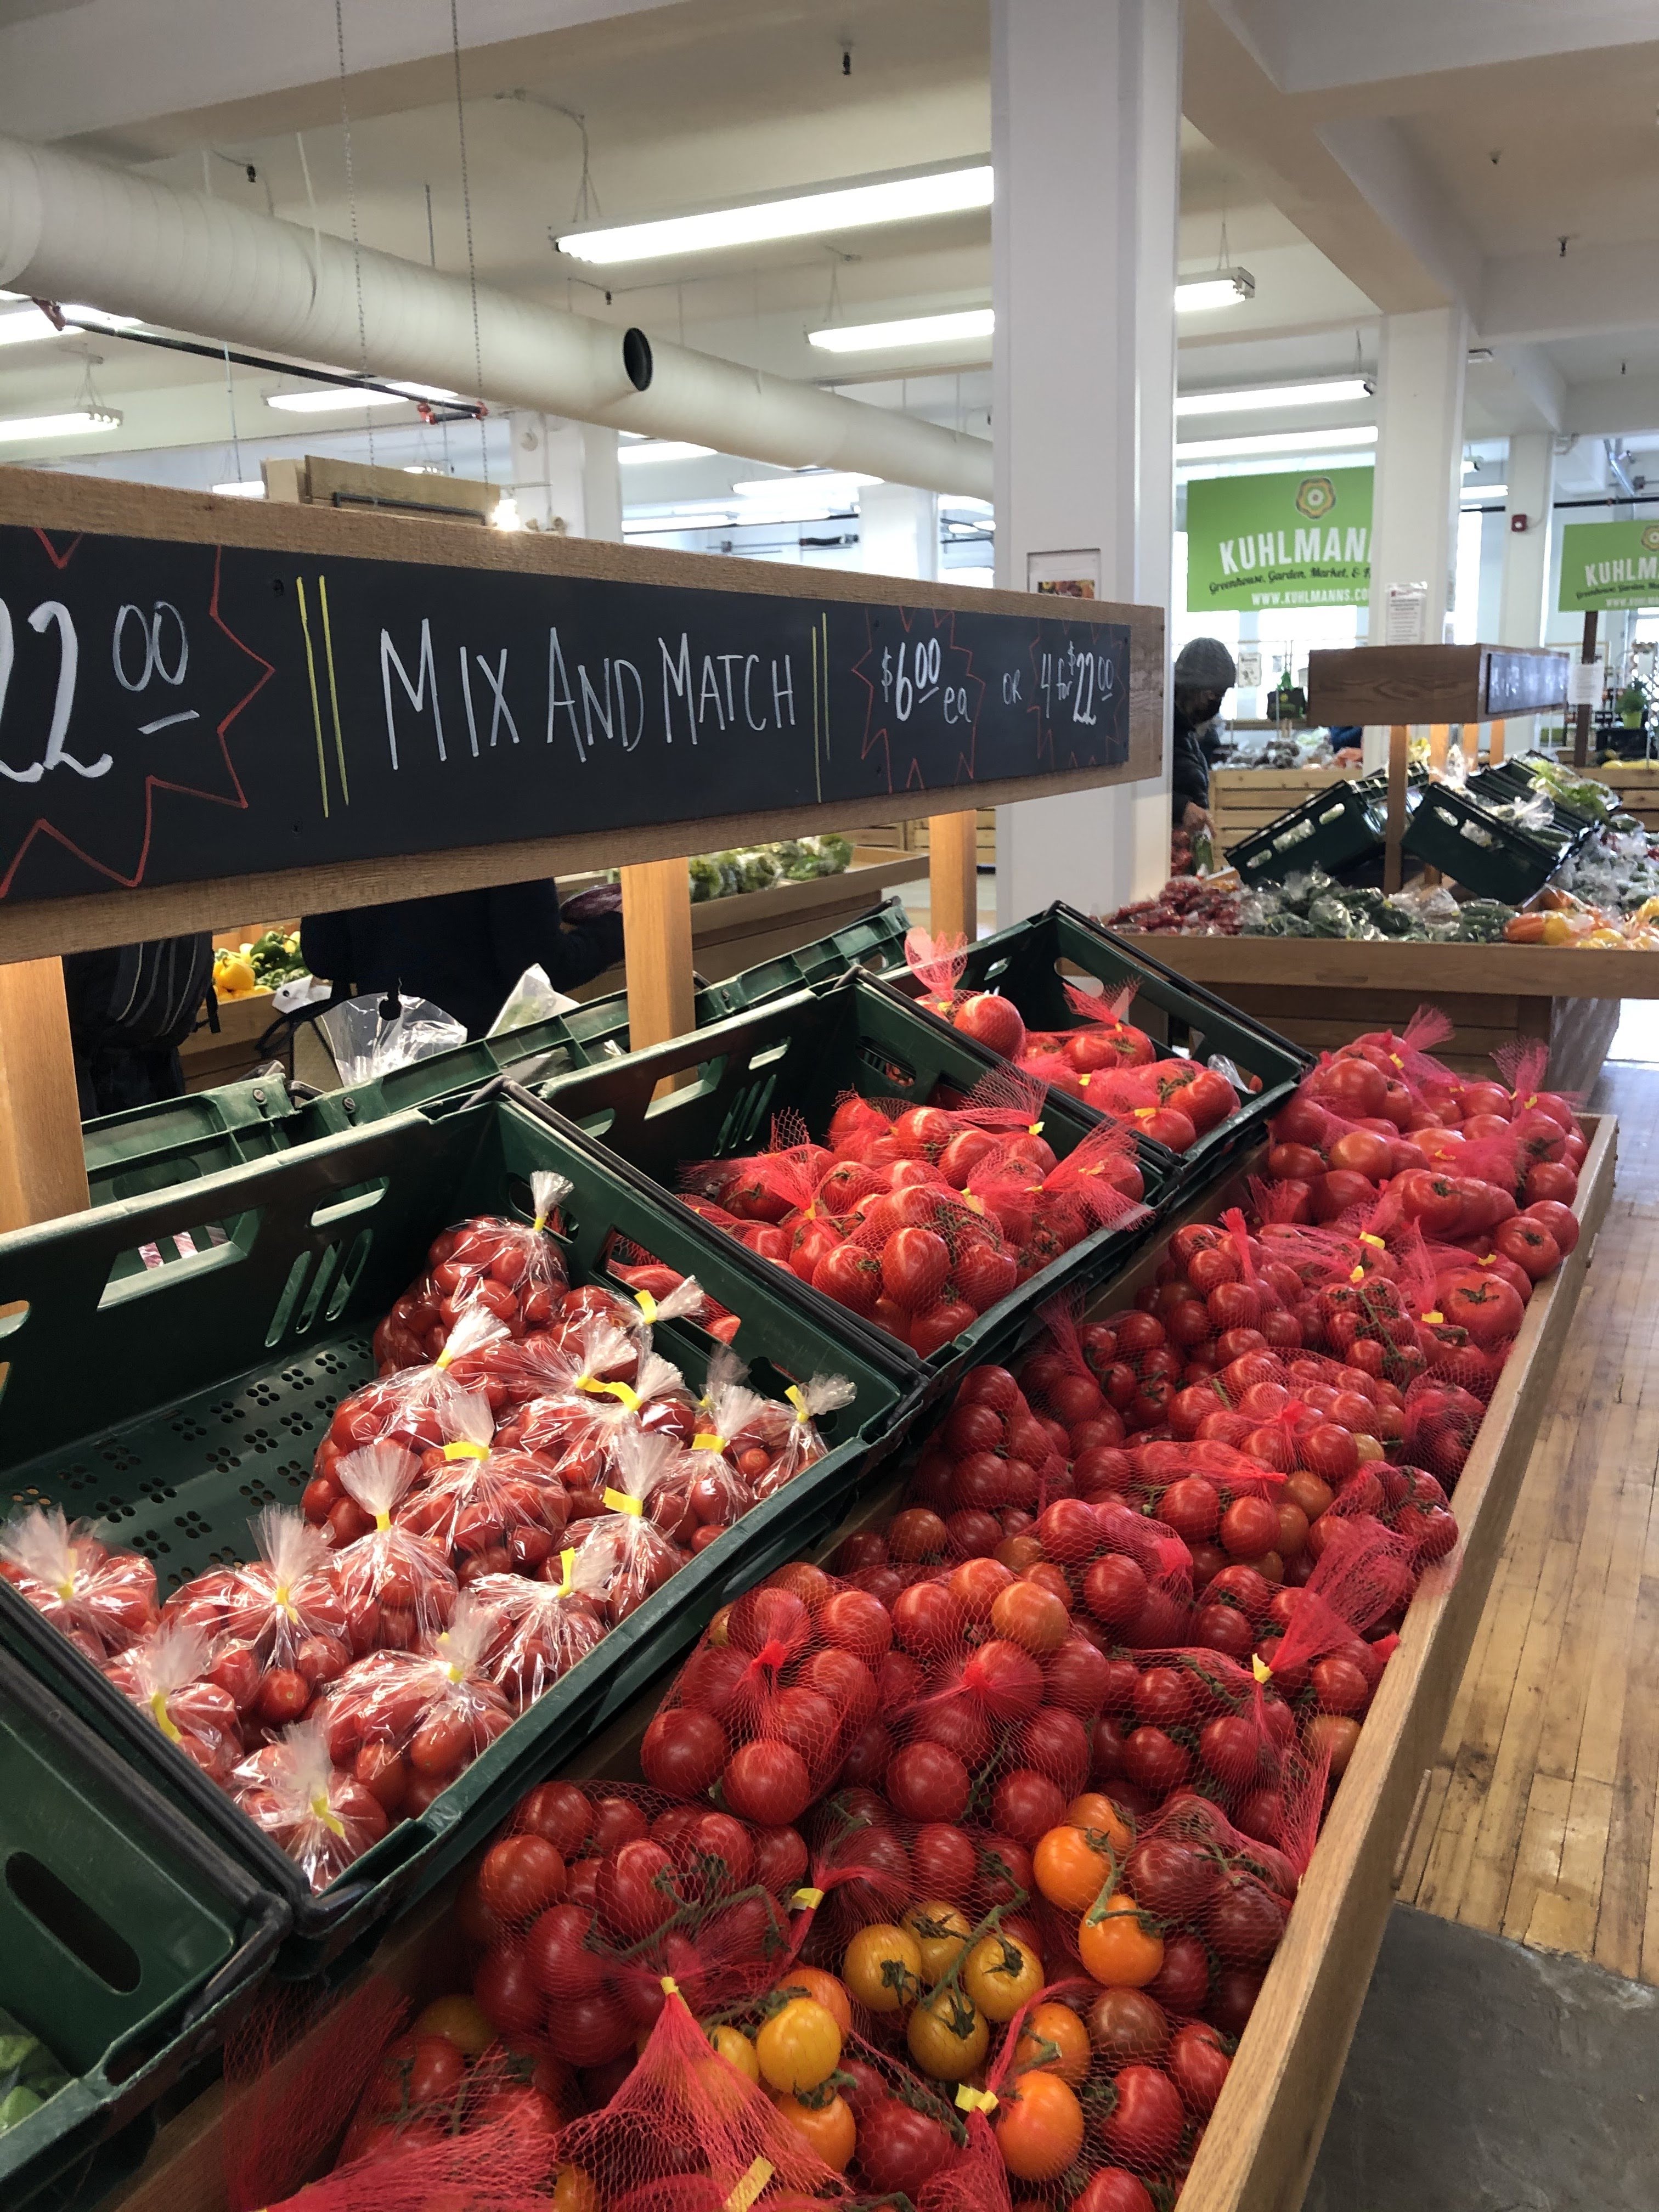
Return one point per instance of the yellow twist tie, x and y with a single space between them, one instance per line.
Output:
567 1561
647 1306
1143 1113
975 1204
1357 1275
444 1357
539 1223
670 1988
66 1589
623 1393
1526 1104
806 1900
1260 1668
1083 1081
1366 1238
750 2186
465 1449
1396 1059
799 1403
975 2100
282 1599
1432 1317
382 1521
709 1442
1034 1129
323 1811
1488 1259
618 1502
164 1720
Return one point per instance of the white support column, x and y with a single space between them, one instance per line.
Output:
565 477
1530 474
1085 136
1420 450
898 531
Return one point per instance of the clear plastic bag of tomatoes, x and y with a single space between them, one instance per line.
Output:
102 1600
405 1723
541 1626
687 2131
403 1409
168 1677
310 1805
512 1269
626 1553
281 1613
398 1588
764 1443
659 1291
569 1392
489 1511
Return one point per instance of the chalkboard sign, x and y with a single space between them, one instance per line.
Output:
173 712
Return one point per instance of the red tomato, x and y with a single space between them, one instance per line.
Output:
1560 1220
683 1750
1529 1245
1198 2063
1484 1306
520 1877
914 1264
1552 1179
766 1783
1146 2118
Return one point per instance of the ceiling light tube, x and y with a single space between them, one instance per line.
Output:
910 330
1472 492
1250 398
805 215
28 326
1275 442
332 398
243 488
79 422
632 452
1228 287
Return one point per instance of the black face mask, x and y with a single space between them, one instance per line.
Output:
1200 706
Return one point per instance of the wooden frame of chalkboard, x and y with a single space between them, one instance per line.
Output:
1357 684
195 688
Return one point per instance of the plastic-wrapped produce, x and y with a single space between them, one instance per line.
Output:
309 1807
102 1600
398 1588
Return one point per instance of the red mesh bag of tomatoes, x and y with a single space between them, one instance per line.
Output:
937 963
169 1676
441 2154
279 1625
932 1260
687 2131
1098 1185
911 2139
985 1468
1098 1040
623 1555
490 1511
404 1723
102 1600
598 1892
1442 1420
1407 1500
402 1408
512 1269
541 1628
1060 1386
310 1805
398 1588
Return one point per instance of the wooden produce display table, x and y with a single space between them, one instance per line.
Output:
1264 2136
1637 785
914 837
1321 992
1245 799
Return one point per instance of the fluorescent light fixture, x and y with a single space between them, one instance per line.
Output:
814 486
28 326
1472 492
631 454
805 215
332 398
244 488
910 330
1228 287
80 421
506 515
1275 442
1479 353
1251 398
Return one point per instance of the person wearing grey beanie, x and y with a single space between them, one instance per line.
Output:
1204 674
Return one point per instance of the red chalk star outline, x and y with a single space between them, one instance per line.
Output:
883 733
225 790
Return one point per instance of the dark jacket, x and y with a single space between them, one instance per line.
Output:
463 950
1189 779
131 1007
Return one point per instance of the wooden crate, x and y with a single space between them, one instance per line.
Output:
1245 799
1321 992
1264 2136
1638 786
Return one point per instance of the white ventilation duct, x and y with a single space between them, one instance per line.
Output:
75 230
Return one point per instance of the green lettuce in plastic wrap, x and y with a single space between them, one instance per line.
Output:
705 878
28 2073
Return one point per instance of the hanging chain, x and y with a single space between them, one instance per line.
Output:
230 401
351 197
466 210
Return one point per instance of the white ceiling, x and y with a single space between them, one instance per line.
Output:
1345 147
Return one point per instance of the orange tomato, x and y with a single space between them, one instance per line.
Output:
1094 1809
1072 1867
823 1989
829 2129
1115 1946
1039 2126
459 2021
574 2192
1053 2040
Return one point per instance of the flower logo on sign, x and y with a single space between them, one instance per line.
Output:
1650 539
1315 498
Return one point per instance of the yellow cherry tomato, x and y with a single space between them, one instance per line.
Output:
882 1966
1001 1975
734 2046
1117 1949
798 2046
943 1933
829 2128
823 1989
948 2036
1053 2040
574 2192
459 2021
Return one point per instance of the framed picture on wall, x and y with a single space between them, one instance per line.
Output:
1069 575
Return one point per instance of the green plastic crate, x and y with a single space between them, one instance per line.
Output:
1026 964
129 1945
1339 826
1451 830
197 1393
802 1054
1509 781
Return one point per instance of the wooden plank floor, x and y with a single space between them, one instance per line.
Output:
1539 1820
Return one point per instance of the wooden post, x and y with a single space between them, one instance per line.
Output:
1581 739
1495 742
657 947
1439 745
43 1168
953 875
1471 746
1398 751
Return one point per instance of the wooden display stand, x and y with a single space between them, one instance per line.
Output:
1245 799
